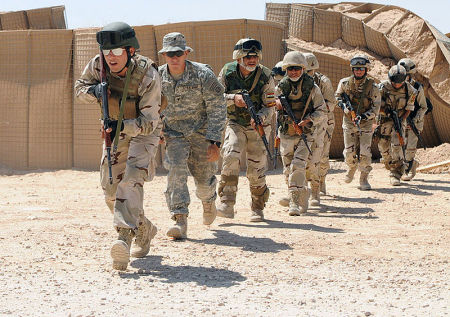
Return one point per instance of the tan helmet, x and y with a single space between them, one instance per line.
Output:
312 61
408 64
294 58
397 74
360 60
247 46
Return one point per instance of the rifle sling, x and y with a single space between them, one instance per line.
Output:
121 109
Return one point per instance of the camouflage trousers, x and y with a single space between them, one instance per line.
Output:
354 142
295 155
390 148
239 139
325 159
188 154
313 164
411 141
132 165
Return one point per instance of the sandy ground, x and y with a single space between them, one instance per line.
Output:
382 253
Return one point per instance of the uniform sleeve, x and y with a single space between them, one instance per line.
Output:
229 98
149 104
268 100
216 109
328 93
422 101
412 98
89 77
339 91
320 109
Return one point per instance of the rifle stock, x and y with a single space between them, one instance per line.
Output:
416 131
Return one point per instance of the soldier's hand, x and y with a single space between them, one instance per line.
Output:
239 101
278 105
112 128
304 122
252 122
213 153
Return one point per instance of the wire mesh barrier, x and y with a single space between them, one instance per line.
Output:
42 18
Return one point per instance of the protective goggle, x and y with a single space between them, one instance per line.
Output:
250 45
359 61
397 78
278 71
407 67
116 51
291 68
176 53
113 38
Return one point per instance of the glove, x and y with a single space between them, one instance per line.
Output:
96 90
362 116
113 125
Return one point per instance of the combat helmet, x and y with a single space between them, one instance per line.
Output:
397 74
247 46
408 64
312 61
360 60
277 71
294 58
117 34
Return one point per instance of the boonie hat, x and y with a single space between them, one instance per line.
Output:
173 42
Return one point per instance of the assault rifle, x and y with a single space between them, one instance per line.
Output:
258 125
276 145
415 130
106 119
346 104
288 109
398 128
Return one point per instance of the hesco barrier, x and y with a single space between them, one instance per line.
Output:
42 18
43 125
388 31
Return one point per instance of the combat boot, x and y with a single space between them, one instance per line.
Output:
322 185
179 230
225 209
350 174
227 195
394 180
315 196
209 212
364 182
260 195
294 209
146 231
411 171
284 201
120 250
303 200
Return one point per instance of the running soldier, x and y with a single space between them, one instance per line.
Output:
306 104
133 162
397 102
359 98
245 75
193 122
415 118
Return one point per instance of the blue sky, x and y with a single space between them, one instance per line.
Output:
84 13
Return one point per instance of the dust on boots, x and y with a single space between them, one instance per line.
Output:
179 230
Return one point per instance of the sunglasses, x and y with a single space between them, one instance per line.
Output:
358 68
176 53
116 51
291 68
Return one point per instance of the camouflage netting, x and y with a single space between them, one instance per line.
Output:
335 32
42 18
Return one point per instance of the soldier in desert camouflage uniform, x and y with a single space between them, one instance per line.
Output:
309 108
364 96
399 96
417 117
193 122
245 73
133 163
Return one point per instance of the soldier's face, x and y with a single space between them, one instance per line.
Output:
294 72
397 85
174 61
359 72
251 60
117 63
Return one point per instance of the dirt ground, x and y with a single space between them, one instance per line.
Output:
384 252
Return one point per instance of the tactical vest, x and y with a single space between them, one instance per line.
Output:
235 83
116 85
360 100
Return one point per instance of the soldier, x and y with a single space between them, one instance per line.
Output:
245 73
397 101
308 106
416 117
364 97
319 161
193 122
277 72
133 162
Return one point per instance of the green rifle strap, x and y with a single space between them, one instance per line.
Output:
121 109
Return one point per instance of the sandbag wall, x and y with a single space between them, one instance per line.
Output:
42 18
388 32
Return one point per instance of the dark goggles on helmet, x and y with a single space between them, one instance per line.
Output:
408 69
278 71
113 38
359 61
250 45
397 78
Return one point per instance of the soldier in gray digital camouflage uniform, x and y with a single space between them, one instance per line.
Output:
133 163
193 122
245 73
417 116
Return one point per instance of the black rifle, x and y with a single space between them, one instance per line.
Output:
288 109
258 125
347 104
398 128
106 118
415 130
